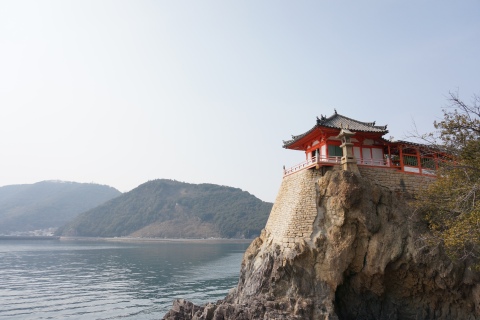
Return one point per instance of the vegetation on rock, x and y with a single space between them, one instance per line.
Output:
451 204
173 209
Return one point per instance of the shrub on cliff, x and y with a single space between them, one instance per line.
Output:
451 204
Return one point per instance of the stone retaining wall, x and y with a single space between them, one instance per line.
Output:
295 209
396 180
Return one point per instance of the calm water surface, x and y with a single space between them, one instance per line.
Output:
111 280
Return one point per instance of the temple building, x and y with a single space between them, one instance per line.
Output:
339 140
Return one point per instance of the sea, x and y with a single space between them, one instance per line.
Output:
78 279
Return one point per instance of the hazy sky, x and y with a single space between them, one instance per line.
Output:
122 92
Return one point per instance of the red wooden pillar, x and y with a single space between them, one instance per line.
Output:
400 153
419 160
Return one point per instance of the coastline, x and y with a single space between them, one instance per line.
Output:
29 238
128 239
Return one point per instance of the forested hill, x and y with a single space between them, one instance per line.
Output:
172 209
48 204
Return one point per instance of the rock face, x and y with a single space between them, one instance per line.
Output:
363 258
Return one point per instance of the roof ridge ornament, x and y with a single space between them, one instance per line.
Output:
321 119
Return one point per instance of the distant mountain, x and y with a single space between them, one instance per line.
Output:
172 209
48 204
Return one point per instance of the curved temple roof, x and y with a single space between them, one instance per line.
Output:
337 121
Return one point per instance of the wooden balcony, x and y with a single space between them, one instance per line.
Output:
424 166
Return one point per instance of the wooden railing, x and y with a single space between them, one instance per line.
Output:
332 161
428 165
310 162
373 162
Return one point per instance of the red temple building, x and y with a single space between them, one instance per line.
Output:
327 142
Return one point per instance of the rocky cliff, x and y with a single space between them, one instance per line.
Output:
362 258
